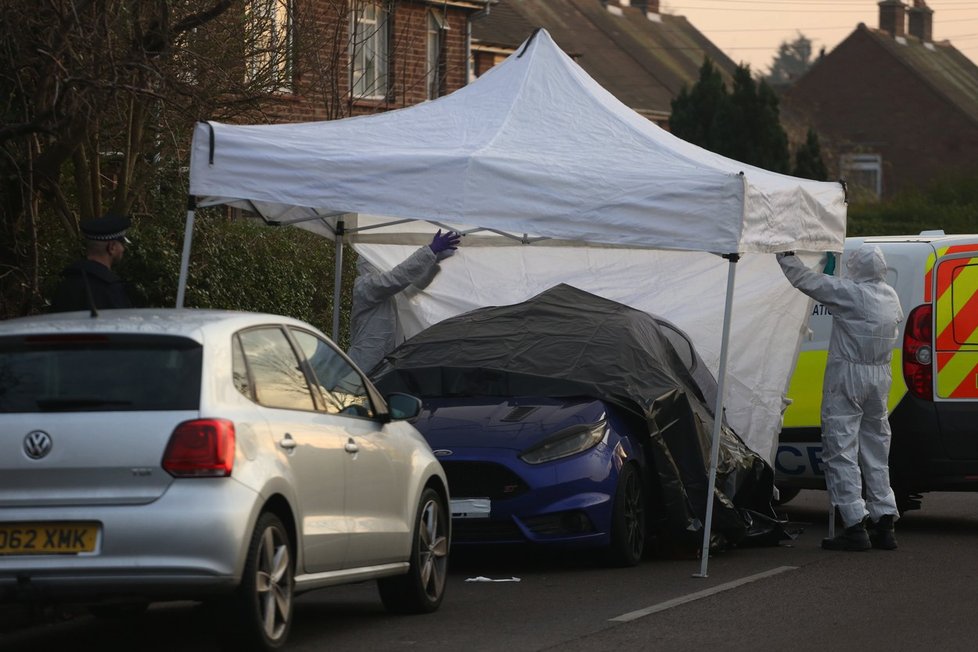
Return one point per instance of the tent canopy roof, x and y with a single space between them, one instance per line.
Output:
534 146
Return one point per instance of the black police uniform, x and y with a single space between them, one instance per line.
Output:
107 289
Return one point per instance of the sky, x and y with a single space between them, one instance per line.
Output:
750 31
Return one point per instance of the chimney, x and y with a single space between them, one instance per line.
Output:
893 17
920 19
647 6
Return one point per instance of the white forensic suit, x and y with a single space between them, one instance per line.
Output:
866 314
373 320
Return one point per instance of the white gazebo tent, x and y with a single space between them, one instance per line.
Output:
535 153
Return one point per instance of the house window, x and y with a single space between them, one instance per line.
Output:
863 174
435 63
368 49
269 59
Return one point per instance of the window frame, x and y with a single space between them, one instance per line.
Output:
270 47
863 162
435 37
377 86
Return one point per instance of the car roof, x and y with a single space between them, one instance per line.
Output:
938 238
187 322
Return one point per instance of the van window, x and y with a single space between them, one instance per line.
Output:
97 372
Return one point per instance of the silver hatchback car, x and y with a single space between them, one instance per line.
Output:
226 456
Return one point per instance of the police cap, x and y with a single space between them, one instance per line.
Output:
107 227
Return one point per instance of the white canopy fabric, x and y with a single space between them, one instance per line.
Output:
536 153
534 146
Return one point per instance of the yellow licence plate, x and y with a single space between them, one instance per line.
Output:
47 538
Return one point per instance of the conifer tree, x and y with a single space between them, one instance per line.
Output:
808 159
743 124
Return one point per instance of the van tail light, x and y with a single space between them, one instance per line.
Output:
202 448
918 353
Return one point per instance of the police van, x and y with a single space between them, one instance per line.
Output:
933 401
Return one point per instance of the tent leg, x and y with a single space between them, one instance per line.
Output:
337 289
188 236
718 414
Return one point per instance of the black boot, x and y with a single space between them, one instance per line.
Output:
881 533
853 538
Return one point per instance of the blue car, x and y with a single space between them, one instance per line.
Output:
542 470
572 420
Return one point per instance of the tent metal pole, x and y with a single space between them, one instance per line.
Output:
718 414
338 279
188 235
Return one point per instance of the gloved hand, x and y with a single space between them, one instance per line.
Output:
829 263
782 254
447 242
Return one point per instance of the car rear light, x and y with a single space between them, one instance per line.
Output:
202 448
918 353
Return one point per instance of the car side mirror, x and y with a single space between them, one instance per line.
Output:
403 406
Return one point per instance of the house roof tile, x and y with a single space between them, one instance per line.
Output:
939 64
643 61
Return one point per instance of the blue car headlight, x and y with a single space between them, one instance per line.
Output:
568 441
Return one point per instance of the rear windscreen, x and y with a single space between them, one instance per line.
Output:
77 373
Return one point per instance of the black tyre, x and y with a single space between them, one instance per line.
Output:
906 501
628 519
119 611
422 588
786 495
261 609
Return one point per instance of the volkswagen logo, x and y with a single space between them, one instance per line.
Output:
37 444
442 452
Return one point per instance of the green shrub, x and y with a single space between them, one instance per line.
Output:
950 204
234 265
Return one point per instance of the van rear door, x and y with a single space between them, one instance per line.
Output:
955 292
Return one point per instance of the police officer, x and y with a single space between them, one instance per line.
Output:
90 282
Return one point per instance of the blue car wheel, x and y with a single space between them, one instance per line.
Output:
628 519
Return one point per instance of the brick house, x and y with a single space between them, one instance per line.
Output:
893 107
326 59
639 54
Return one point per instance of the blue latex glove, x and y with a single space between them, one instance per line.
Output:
447 242
829 263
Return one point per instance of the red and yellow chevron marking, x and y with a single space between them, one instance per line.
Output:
957 375
956 317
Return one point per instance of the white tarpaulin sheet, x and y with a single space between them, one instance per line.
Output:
686 288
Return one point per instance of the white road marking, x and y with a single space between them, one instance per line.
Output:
669 604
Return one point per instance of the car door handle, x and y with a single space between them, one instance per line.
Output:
287 442
351 446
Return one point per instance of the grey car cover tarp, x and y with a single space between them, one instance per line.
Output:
567 342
